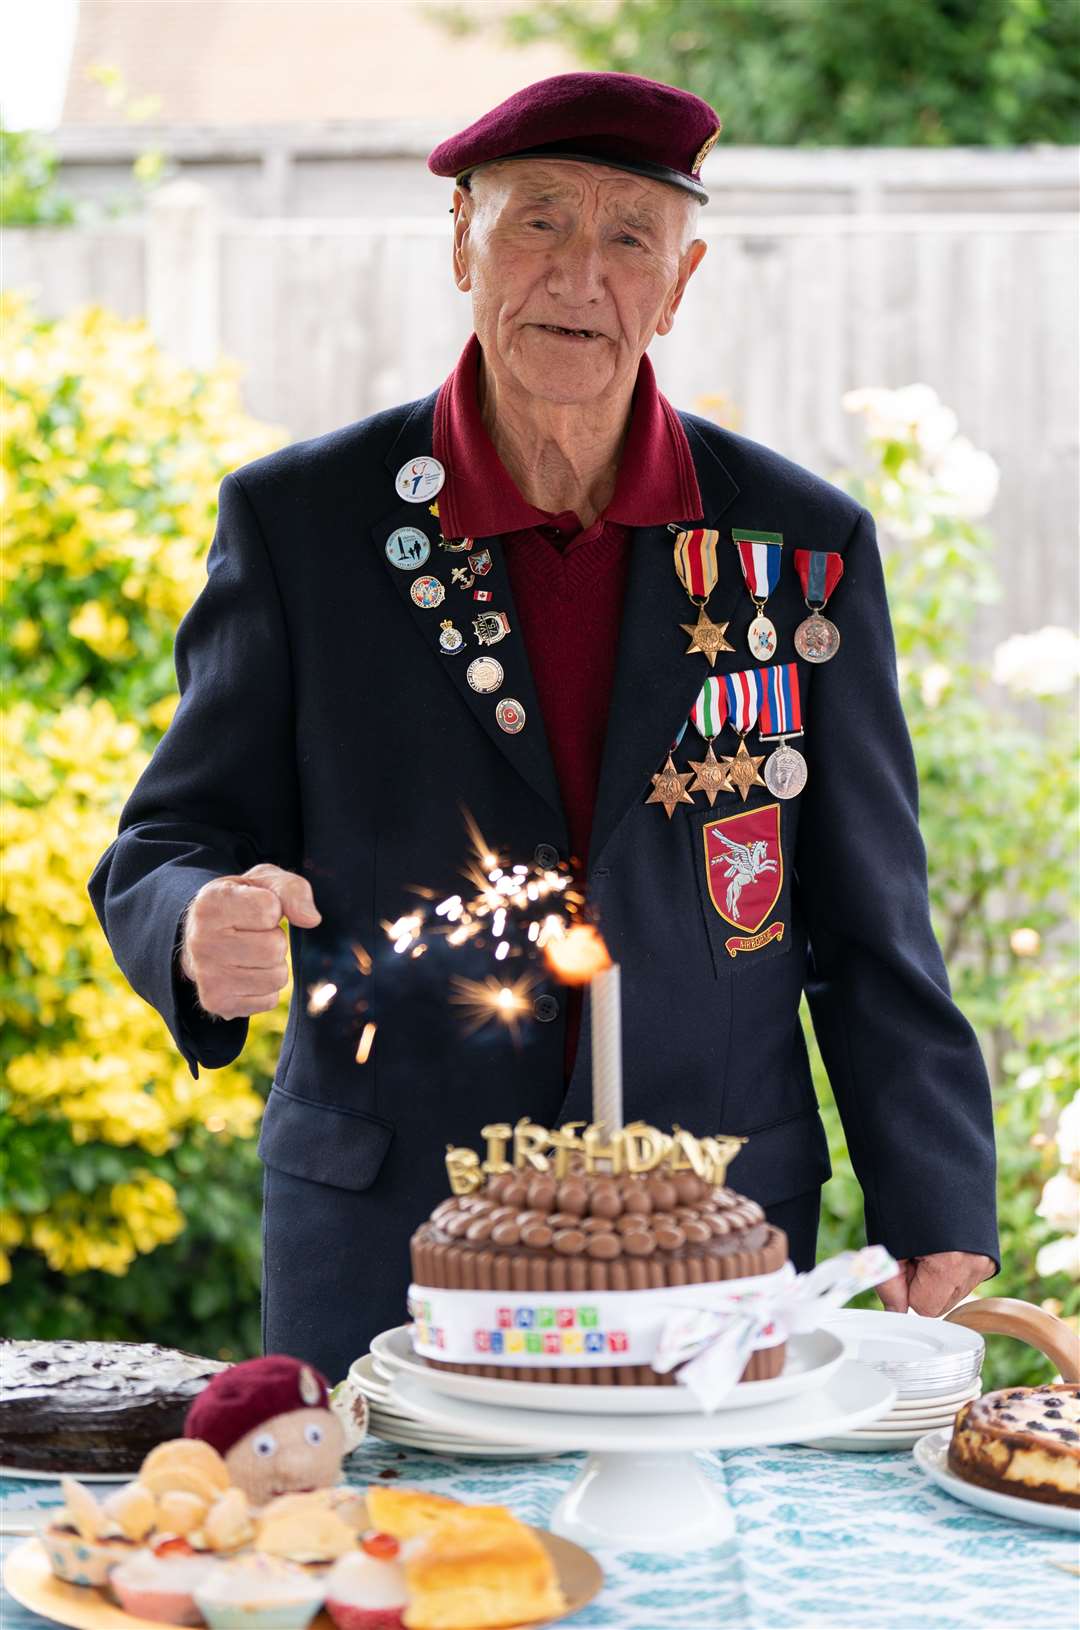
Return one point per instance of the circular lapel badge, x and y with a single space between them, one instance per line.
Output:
407 548
420 479
485 674
427 592
510 715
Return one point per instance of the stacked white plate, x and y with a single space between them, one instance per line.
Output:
371 1375
935 1367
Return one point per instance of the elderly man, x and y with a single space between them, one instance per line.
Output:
483 599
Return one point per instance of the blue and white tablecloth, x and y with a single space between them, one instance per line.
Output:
825 1540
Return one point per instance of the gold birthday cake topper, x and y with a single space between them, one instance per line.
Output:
636 1148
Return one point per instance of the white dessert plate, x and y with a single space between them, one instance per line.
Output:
811 1360
440 1441
939 1406
862 1443
854 1395
84 1477
927 1358
931 1453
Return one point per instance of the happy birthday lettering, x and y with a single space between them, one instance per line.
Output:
637 1148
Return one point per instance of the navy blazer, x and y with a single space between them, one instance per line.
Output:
321 727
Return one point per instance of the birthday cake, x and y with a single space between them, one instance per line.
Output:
1024 1441
578 1228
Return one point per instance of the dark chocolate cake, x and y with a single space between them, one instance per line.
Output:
93 1406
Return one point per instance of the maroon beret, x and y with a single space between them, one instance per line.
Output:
245 1395
618 119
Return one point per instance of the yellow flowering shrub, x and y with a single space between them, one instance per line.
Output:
110 1153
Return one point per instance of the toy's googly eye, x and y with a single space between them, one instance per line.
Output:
265 1444
313 1433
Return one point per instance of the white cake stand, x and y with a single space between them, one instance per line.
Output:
642 1486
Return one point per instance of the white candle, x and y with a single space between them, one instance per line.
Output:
607 1049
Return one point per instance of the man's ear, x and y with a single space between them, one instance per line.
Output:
688 265
464 204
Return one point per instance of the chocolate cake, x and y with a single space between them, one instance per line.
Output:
593 1231
93 1406
1023 1441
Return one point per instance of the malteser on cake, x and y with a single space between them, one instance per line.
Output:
1022 1440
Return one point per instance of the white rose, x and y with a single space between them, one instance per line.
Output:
1044 663
1060 1256
966 481
1060 1203
1068 1132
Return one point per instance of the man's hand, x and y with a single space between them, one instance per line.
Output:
934 1284
233 949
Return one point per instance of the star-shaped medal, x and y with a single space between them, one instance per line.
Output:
669 788
711 777
742 770
706 636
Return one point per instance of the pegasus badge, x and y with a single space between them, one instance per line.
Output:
745 862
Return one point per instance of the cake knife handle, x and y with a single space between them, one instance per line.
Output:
1009 1316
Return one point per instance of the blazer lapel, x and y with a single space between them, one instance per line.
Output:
527 750
656 682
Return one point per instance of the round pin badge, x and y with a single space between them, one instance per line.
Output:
451 640
407 548
485 674
420 479
510 715
427 592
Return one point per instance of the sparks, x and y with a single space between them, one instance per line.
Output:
320 996
367 1041
488 1000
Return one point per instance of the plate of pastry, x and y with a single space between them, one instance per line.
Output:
296 1563
1015 1453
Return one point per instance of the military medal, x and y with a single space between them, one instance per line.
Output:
780 716
743 701
695 563
407 548
462 577
485 674
759 557
669 787
451 640
491 627
420 479
817 639
708 715
427 592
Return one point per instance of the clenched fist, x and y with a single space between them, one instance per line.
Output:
233 949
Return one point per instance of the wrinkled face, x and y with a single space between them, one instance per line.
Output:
287 1454
572 268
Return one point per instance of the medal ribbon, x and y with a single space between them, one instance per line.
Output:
781 706
819 572
695 561
743 692
709 712
759 557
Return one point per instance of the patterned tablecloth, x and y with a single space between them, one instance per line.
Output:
862 1540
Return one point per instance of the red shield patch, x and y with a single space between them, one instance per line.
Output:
744 866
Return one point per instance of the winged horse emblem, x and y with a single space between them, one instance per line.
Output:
745 863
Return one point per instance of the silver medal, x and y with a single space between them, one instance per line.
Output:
817 639
785 772
761 638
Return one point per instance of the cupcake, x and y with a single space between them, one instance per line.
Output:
365 1590
160 1584
83 1541
258 1593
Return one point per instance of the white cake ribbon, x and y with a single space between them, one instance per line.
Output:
713 1344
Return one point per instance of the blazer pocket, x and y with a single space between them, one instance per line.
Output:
743 886
324 1143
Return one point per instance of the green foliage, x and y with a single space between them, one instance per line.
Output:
837 72
29 194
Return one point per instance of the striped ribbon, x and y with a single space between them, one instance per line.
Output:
820 570
759 556
743 692
695 561
710 710
781 706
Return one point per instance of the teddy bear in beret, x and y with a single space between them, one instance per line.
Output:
272 1422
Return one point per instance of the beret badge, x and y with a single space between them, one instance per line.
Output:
704 150
309 1387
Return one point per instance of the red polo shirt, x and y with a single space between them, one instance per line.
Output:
568 584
